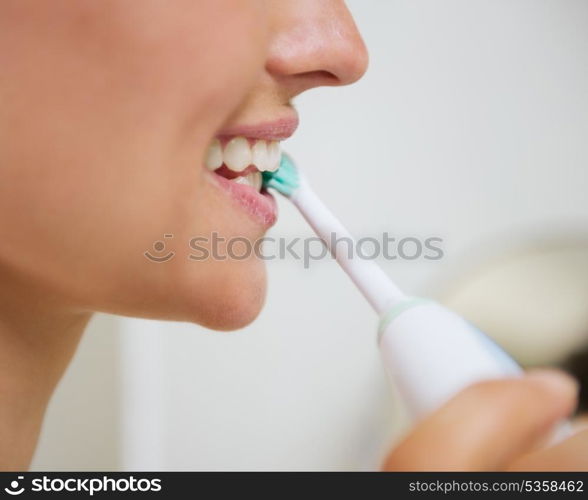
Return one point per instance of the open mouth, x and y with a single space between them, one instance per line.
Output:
242 160
238 163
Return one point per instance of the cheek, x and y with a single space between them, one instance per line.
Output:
104 92
103 157
196 61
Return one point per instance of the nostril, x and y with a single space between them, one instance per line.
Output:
320 77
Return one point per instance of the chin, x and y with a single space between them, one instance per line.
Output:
238 316
230 300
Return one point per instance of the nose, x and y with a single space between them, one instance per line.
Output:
314 43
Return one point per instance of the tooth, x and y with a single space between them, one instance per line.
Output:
241 180
260 156
253 180
237 154
214 156
274 154
256 180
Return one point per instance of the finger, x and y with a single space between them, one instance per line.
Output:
488 424
570 455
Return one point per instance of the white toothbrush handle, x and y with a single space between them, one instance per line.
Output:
431 354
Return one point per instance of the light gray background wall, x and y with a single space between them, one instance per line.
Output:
471 125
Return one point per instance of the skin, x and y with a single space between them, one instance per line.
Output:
503 425
106 112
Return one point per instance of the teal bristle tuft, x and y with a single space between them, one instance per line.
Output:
285 180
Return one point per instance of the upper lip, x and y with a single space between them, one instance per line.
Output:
276 130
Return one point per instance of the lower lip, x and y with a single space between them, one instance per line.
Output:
261 206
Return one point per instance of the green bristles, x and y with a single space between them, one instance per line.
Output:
285 180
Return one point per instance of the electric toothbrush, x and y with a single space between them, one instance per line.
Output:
429 352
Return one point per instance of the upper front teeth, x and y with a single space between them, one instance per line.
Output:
259 155
238 155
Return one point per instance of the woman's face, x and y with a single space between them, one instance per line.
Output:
109 112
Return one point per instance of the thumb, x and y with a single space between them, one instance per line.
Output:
488 424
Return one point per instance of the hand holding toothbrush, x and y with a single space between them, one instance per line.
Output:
497 425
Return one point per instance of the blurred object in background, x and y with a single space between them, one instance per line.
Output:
534 302
577 365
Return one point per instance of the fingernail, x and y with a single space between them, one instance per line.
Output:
556 381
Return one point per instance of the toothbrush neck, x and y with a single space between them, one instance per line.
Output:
371 280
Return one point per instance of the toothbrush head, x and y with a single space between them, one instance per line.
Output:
285 180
